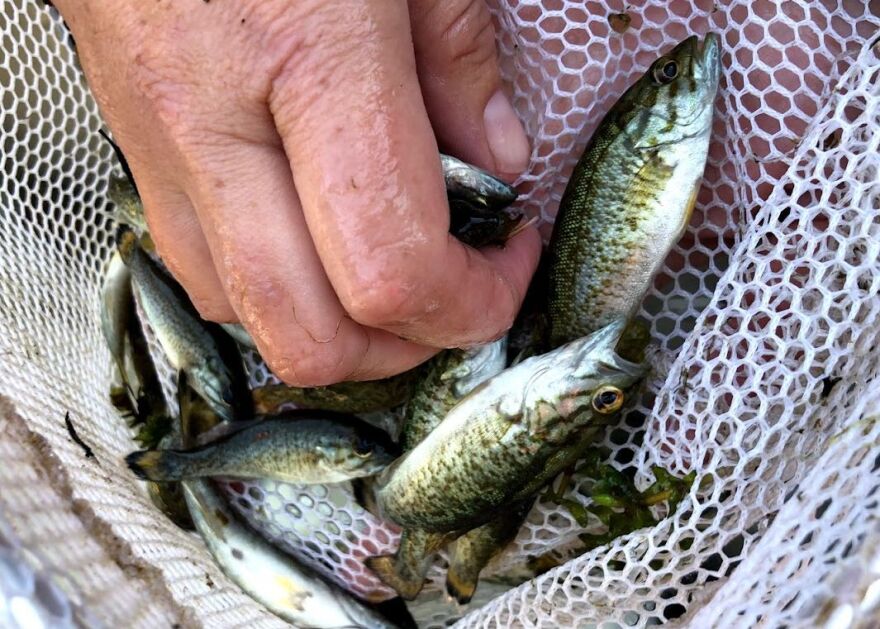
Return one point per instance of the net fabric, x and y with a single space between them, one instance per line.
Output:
769 297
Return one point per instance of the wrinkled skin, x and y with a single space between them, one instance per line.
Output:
286 154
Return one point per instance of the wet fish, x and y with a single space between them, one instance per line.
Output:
298 446
449 377
478 227
129 209
239 335
489 449
117 308
274 579
472 551
192 345
474 185
632 192
345 397
169 499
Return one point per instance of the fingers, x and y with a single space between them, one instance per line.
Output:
365 164
458 70
273 278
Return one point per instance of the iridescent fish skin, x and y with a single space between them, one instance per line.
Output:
449 377
186 339
117 308
129 209
488 450
631 194
306 447
474 185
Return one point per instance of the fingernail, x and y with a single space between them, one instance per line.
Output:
506 137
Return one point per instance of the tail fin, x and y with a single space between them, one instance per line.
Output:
156 465
459 588
386 569
126 242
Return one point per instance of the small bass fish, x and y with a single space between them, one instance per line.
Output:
287 589
305 447
631 194
189 342
450 376
276 580
489 449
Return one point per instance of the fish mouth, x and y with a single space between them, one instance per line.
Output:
707 55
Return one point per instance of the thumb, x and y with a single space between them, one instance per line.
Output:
458 72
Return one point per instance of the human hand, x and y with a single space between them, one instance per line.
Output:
285 155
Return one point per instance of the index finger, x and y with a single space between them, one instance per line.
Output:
366 167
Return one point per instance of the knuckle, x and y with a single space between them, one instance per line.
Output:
467 34
308 61
214 308
307 365
383 301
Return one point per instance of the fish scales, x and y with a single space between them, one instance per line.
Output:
449 376
631 195
493 443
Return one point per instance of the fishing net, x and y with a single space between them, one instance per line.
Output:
765 318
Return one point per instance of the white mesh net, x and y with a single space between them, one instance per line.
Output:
767 301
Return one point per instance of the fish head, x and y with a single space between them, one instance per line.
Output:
213 381
479 364
674 100
605 378
363 451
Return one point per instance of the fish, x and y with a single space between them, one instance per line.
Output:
367 396
472 551
449 377
191 344
169 499
129 209
631 195
239 334
474 185
306 447
490 449
117 308
478 227
286 588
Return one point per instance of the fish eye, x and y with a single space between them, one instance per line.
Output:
363 448
665 71
607 399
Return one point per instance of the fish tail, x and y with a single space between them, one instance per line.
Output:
460 587
156 465
126 242
386 568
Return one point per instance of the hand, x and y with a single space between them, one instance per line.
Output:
285 152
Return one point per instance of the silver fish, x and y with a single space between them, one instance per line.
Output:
475 185
117 308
